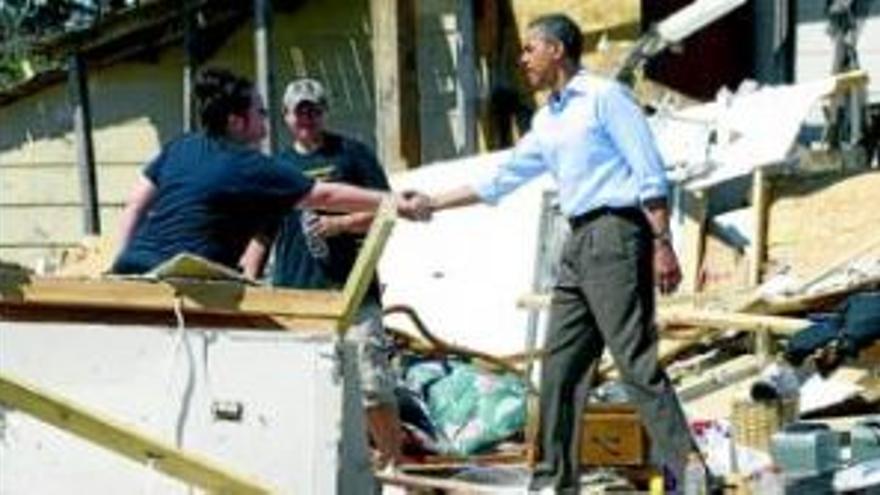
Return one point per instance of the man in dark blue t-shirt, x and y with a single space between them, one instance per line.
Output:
210 193
316 249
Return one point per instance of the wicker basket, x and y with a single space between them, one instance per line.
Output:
754 423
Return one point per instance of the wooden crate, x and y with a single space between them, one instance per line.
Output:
613 435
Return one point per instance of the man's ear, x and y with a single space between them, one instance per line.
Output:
558 49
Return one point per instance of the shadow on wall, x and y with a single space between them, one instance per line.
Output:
124 92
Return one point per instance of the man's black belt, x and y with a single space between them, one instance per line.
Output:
630 212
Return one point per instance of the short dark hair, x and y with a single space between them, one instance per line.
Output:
563 29
220 93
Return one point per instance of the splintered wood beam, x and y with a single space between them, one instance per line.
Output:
213 297
672 316
365 265
694 317
125 440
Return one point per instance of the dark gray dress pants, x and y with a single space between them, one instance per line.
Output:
604 297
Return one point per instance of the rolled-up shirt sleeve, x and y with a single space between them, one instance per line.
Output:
628 129
526 162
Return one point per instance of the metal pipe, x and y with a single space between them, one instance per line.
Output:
265 67
85 154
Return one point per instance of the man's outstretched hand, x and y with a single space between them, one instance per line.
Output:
414 205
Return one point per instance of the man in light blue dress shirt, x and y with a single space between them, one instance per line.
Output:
593 139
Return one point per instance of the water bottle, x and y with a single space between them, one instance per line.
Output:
316 244
694 475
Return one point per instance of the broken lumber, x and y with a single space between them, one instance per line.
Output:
720 376
672 316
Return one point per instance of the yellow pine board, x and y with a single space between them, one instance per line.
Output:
365 266
213 296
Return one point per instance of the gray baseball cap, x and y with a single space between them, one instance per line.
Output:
304 90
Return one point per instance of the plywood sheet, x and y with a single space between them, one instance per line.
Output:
813 220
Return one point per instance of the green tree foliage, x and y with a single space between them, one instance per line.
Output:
24 22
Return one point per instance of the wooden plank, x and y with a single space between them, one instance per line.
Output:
719 377
760 207
695 317
398 134
762 340
814 302
672 316
195 296
164 318
125 440
443 485
365 265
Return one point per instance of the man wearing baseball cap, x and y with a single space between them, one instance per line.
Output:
317 249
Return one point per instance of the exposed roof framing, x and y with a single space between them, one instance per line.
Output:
133 32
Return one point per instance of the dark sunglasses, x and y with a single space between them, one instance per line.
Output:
308 111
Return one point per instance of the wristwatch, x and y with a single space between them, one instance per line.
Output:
663 236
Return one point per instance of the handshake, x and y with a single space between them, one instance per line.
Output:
414 205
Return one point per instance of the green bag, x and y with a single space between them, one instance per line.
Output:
471 408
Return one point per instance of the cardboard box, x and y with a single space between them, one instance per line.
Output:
613 435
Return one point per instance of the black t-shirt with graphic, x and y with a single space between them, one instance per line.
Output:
212 196
342 160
